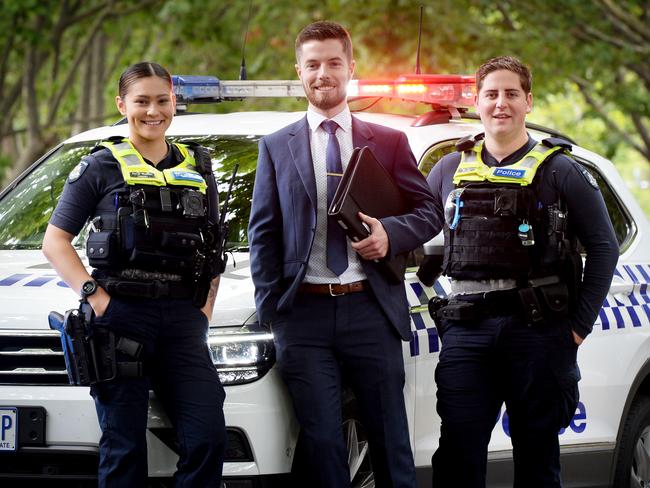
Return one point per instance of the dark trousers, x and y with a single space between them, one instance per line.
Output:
500 359
320 341
179 369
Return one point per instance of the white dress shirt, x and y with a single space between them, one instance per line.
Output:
317 270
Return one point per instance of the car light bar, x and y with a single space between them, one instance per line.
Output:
209 89
444 90
438 90
371 88
197 89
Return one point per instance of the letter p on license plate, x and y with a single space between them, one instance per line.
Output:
8 428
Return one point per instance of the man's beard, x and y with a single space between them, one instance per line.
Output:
325 101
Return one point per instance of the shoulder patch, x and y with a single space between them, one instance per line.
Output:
588 176
78 170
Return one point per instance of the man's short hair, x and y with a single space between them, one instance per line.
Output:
509 63
321 31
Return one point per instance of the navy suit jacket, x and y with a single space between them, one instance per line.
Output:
283 217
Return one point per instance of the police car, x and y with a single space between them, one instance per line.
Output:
49 429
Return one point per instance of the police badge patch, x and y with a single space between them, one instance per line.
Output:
588 176
78 170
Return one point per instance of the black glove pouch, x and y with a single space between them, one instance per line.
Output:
555 300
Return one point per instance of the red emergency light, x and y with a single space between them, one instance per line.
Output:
440 90
372 88
444 90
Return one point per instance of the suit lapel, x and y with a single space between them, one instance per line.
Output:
301 153
362 134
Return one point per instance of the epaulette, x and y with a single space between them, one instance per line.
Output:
557 141
113 139
468 142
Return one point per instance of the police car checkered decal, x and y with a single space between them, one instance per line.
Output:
618 312
630 309
623 310
424 335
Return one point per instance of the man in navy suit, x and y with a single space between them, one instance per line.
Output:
333 315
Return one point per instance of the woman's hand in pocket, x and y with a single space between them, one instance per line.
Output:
99 301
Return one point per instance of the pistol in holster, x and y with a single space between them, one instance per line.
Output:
91 352
435 305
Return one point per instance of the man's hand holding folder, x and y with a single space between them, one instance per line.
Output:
375 246
366 193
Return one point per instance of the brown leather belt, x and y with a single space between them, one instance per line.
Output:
334 289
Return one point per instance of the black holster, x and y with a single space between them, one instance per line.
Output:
91 352
435 305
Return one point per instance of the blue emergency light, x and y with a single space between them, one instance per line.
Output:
196 89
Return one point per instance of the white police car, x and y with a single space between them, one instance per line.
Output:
49 429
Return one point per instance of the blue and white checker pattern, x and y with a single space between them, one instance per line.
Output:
627 310
619 311
424 335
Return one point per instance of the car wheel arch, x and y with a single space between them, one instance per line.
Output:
640 387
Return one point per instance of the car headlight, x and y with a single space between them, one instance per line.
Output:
241 357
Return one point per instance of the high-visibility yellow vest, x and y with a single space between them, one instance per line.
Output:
473 169
136 171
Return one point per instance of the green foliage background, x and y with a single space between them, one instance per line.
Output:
591 59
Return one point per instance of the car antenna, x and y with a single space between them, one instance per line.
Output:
242 67
417 56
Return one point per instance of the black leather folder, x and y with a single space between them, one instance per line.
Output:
366 186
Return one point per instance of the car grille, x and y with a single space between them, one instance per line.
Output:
32 358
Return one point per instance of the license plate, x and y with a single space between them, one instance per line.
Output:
8 428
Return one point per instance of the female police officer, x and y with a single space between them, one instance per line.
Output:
150 204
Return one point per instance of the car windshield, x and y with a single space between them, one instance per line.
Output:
26 209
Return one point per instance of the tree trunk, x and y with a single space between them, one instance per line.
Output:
31 104
98 88
85 88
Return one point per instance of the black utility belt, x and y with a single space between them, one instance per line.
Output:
535 304
493 303
146 289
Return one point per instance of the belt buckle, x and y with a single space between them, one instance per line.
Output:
332 294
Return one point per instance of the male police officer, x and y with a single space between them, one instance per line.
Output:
519 306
